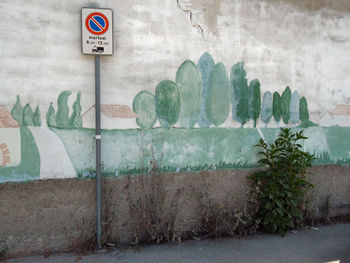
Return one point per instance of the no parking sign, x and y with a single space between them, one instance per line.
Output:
97 31
97 39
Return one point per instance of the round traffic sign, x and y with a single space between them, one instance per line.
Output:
97 23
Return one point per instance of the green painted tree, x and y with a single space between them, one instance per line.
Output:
37 117
217 104
303 110
304 114
75 120
276 107
239 93
144 105
266 110
62 109
285 105
205 65
254 100
17 111
189 84
294 108
28 116
51 116
168 103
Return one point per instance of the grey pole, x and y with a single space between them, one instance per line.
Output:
98 152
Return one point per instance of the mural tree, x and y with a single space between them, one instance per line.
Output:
304 114
294 108
144 105
28 116
17 111
266 110
51 116
239 93
62 109
205 65
276 107
254 100
37 117
189 83
217 102
168 103
303 110
285 105
75 120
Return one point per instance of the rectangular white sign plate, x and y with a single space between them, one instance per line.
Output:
96 31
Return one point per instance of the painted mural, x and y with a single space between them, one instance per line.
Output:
203 119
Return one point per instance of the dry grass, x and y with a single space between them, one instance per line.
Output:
153 212
223 218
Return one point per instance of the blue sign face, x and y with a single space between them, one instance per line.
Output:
97 23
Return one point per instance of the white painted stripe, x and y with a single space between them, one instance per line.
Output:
54 159
261 134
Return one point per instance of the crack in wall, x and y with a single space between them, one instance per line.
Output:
196 25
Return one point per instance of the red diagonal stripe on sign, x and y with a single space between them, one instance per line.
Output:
97 23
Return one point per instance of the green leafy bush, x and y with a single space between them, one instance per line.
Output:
282 188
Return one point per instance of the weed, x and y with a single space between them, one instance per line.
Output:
281 188
153 214
3 252
83 241
222 218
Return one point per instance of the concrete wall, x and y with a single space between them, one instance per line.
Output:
48 215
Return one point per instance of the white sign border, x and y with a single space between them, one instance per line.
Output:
81 31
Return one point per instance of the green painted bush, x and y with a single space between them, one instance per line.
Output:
144 105
239 93
254 100
28 116
294 108
304 114
51 116
37 117
168 103
189 83
303 110
266 109
75 120
17 111
205 65
276 107
285 105
217 104
62 109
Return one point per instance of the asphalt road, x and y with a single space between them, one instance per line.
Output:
323 244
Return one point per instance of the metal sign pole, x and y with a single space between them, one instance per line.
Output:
98 152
